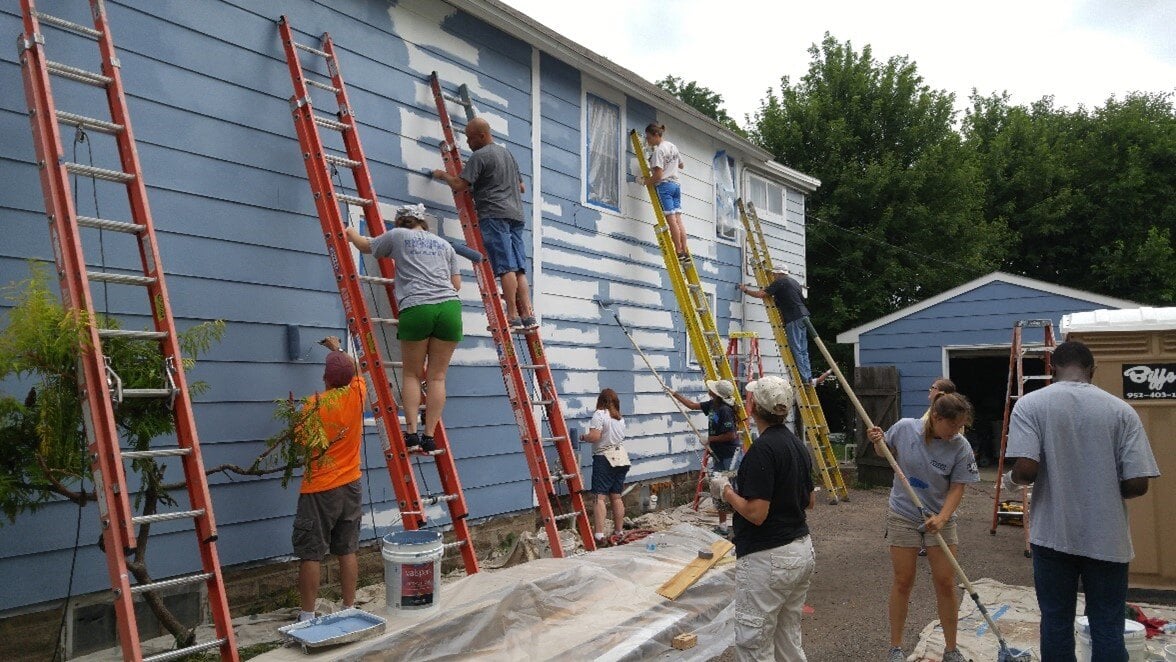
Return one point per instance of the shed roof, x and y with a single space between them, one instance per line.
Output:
854 334
1131 319
512 21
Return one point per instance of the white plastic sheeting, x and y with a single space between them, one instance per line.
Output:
597 606
726 214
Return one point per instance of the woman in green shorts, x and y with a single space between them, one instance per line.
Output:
427 283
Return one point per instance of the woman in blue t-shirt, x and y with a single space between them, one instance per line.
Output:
938 462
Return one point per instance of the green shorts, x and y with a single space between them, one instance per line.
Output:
431 320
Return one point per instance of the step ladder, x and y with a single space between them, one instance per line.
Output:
97 379
1019 350
812 416
752 365
692 301
366 329
518 385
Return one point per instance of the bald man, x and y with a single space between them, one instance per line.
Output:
492 174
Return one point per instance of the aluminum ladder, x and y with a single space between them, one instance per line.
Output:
382 391
812 415
693 302
98 380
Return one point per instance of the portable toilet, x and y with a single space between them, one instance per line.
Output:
1135 359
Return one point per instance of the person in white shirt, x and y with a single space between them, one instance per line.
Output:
610 462
664 163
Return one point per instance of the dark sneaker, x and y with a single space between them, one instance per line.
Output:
515 324
428 444
954 655
529 322
726 533
412 441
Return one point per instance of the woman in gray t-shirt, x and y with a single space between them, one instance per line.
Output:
938 462
429 319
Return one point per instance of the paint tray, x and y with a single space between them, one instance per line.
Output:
342 627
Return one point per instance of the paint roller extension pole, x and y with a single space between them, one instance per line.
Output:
1006 655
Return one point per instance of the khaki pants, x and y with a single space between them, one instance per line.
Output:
770 588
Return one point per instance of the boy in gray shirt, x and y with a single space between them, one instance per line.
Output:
492 175
1085 452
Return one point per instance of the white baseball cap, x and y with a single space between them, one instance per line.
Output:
722 388
772 393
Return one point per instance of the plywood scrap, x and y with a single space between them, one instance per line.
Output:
684 641
697 567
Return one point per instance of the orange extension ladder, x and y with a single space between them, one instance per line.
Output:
360 323
97 379
522 402
1014 391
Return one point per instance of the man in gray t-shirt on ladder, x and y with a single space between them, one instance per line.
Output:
492 175
1085 452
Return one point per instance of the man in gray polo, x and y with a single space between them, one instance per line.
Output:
1085 452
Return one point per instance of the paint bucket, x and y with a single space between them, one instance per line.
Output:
412 569
1134 636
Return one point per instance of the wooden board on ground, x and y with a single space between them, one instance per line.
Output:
684 641
693 570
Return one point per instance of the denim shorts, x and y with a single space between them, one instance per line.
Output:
669 193
440 320
607 479
503 239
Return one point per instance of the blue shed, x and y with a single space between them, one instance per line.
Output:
965 334
208 94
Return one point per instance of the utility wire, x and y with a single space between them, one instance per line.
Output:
921 256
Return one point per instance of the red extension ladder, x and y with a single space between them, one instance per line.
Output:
360 323
522 403
97 379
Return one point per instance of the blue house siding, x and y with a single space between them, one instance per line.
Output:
982 316
208 91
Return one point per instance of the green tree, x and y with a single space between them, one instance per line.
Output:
898 215
1090 195
703 99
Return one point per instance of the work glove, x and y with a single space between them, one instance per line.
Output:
1008 485
718 483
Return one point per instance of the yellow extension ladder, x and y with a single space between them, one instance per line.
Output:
816 428
692 300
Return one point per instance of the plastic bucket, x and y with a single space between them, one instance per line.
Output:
412 569
1134 636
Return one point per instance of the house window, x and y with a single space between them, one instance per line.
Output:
726 215
602 177
766 196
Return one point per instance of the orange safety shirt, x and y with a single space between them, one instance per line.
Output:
342 417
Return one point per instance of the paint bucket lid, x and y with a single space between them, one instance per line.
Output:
1131 629
412 544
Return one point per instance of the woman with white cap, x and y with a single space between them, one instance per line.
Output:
427 283
721 436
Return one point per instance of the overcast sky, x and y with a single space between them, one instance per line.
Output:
1079 51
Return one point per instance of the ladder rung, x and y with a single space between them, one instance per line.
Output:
330 124
550 439
532 366
384 320
123 279
67 25
542 402
377 279
430 499
80 75
341 160
99 173
455 543
83 122
147 392
131 334
574 513
163 452
184 652
432 453
172 583
103 224
321 86
167 517
1031 378
555 478
455 99
313 50
353 200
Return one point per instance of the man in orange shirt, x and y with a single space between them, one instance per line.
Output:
330 504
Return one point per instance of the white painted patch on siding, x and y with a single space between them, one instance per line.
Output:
658 362
645 318
557 333
612 246
579 382
625 293
551 208
653 339
420 20
575 358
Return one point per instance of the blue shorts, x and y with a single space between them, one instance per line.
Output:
607 479
669 193
503 239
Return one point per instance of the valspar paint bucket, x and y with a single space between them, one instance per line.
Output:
1134 636
412 569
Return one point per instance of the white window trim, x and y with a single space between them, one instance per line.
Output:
734 239
589 86
713 300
